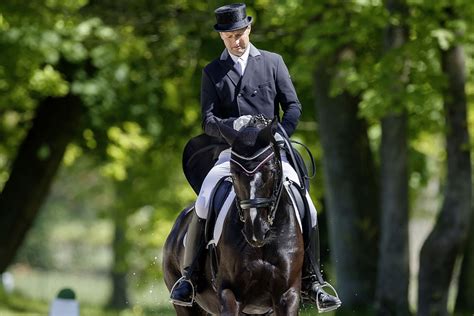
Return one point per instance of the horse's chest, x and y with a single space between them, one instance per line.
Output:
256 285
259 274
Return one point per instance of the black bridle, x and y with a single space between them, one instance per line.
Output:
260 202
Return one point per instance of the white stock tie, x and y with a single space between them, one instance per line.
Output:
239 66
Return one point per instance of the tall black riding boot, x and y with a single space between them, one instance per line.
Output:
182 292
313 283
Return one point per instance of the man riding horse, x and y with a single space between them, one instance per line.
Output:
245 81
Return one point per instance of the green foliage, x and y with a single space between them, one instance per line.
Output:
408 78
48 82
137 68
123 146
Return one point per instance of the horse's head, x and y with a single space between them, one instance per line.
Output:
255 166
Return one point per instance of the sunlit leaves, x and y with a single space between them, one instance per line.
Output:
126 143
4 25
129 137
74 51
72 153
48 82
71 5
444 37
89 138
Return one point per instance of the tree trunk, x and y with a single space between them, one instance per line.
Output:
464 302
120 247
56 122
119 296
446 242
350 190
393 267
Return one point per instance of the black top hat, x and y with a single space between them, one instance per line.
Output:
231 17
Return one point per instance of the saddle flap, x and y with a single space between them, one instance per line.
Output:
294 190
300 203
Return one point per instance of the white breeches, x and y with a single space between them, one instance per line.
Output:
222 169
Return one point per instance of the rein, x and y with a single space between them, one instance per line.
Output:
260 202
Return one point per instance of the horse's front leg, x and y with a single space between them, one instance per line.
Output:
288 303
229 305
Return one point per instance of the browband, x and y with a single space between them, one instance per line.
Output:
254 156
256 168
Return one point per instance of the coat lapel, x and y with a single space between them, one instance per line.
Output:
252 66
229 67
233 73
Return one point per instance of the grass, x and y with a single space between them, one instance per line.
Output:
34 290
91 289
17 305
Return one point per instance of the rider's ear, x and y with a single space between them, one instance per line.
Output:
228 133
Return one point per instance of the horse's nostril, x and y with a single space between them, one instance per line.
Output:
265 235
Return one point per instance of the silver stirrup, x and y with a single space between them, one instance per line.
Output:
181 303
328 309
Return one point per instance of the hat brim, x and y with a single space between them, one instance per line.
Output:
233 26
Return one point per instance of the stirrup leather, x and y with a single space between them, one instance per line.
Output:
181 303
328 309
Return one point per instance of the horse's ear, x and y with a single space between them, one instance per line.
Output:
274 125
228 133
265 136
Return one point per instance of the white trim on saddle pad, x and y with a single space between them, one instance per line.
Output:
221 218
228 203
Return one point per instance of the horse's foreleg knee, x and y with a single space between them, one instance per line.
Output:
229 305
288 303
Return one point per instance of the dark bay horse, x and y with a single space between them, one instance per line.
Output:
260 252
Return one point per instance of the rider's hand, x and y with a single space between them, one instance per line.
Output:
241 121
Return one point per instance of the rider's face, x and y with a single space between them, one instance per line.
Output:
236 41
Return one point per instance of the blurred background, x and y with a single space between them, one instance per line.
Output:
98 99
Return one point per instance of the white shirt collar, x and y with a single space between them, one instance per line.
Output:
253 51
243 58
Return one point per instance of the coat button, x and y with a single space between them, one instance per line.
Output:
240 94
255 92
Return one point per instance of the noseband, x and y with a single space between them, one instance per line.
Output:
260 159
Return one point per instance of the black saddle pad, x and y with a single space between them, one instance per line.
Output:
218 197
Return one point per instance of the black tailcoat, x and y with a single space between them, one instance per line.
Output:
264 88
